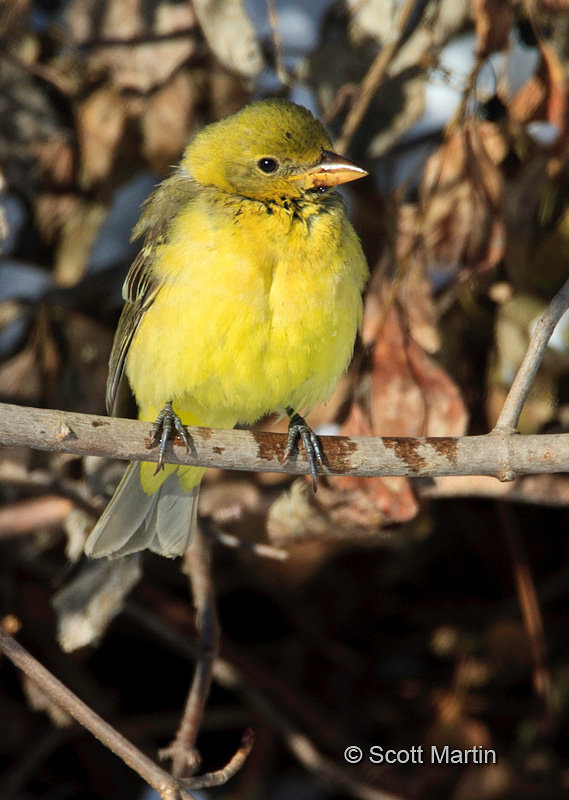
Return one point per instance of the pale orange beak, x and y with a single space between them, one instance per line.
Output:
331 170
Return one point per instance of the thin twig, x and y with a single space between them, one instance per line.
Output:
221 776
197 565
227 539
280 68
510 416
332 773
374 77
503 457
529 604
14 474
543 490
167 787
26 516
287 711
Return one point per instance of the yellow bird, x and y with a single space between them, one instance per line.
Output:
244 300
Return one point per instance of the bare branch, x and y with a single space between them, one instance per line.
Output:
288 712
258 549
280 68
167 787
502 456
529 604
510 416
374 77
197 565
544 490
221 776
26 516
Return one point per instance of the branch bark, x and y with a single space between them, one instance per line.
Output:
167 787
510 415
498 454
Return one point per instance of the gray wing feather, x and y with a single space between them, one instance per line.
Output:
162 522
141 285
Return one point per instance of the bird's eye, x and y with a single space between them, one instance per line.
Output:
268 165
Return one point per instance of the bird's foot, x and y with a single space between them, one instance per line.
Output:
298 429
167 425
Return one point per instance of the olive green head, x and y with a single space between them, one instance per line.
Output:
269 149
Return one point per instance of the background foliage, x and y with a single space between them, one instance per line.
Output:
395 620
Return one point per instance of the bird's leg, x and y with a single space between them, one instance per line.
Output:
298 429
162 431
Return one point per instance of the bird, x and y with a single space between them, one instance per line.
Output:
244 300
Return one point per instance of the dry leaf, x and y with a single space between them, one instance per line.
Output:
544 95
78 233
140 48
167 120
87 605
231 35
101 120
332 515
460 221
493 22
403 393
39 700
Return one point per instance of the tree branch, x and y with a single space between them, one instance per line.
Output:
197 565
502 456
510 415
167 787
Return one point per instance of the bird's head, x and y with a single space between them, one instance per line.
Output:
269 149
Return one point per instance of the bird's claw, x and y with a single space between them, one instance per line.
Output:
298 429
161 431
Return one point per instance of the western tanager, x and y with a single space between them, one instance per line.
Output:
244 300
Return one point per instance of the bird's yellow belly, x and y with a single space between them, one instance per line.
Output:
251 336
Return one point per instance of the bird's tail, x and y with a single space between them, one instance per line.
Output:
148 512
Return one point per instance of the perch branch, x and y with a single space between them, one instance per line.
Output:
503 456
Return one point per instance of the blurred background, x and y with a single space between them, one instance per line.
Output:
407 613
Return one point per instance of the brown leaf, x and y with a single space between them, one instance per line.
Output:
56 162
101 120
231 35
88 346
402 393
39 700
78 233
409 279
493 23
352 34
460 221
167 120
332 515
555 6
140 51
544 96
453 727
27 516
410 394
14 17
88 604
393 497
27 120
51 212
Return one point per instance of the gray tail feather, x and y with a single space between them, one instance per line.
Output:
133 521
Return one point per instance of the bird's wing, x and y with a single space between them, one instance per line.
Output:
142 285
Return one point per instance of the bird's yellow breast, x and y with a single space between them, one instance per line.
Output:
261 304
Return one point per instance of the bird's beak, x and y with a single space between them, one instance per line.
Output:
331 170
